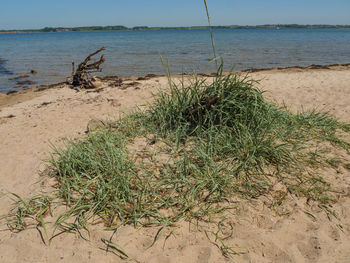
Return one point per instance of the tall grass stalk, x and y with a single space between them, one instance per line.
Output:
211 34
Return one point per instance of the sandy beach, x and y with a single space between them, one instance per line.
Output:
32 122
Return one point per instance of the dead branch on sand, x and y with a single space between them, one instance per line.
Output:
81 77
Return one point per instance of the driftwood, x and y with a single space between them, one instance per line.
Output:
81 77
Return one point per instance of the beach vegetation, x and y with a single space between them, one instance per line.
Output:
199 145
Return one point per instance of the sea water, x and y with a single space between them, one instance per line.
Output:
189 51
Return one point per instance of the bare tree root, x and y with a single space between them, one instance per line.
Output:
81 77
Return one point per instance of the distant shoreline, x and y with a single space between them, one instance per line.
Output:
138 28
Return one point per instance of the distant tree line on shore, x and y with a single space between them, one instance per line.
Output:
119 27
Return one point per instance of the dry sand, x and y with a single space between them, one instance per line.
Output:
33 121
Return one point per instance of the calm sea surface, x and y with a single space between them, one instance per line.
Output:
137 52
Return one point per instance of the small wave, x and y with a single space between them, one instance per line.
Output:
3 69
143 53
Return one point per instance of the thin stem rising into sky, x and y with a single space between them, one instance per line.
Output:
211 33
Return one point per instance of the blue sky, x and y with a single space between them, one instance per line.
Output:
24 14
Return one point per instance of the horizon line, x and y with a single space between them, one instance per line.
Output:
174 27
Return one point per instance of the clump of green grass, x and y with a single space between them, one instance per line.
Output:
231 118
224 140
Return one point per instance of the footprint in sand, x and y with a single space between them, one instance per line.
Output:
204 255
311 250
333 233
